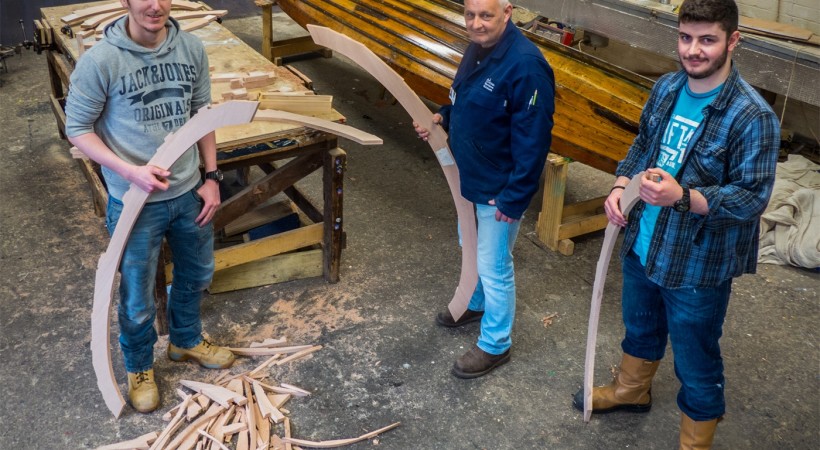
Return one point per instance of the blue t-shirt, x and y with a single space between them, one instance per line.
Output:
686 118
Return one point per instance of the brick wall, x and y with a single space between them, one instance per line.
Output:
801 13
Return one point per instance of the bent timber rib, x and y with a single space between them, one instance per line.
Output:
628 200
174 146
598 105
438 142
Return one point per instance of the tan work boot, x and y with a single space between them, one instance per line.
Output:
696 435
142 391
631 390
206 354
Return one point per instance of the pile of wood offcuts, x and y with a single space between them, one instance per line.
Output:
242 411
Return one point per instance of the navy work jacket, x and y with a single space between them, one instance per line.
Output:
500 122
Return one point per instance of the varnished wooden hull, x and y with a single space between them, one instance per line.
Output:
598 105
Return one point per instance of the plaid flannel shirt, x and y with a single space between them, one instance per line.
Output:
731 160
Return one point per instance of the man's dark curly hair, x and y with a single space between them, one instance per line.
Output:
723 12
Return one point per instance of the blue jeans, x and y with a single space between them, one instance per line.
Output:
495 292
693 319
192 252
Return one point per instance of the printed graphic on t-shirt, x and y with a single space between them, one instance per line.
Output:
674 142
160 95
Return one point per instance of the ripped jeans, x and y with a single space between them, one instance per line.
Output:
693 320
192 251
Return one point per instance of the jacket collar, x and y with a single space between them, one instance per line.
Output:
724 96
500 49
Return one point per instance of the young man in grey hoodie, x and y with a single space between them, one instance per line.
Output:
145 79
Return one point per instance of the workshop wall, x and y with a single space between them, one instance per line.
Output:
801 13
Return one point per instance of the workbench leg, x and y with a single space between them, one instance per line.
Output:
549 220
335 162
267 31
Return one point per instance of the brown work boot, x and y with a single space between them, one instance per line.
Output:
445 318
477 362
696 435
631 390
206 354
142 391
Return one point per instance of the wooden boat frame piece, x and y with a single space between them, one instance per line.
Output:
411 102
628 199
175 144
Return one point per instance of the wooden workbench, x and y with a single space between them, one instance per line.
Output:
260 144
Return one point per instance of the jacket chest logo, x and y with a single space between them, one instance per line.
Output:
489 85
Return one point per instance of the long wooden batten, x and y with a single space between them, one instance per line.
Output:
598 105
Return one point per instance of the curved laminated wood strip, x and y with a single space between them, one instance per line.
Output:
338 442
346 131
437 140
628 200
175 144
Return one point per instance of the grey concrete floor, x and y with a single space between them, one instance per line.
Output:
383 360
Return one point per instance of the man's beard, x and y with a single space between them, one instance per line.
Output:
709 71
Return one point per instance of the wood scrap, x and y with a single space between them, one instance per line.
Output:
174 425
213 439
234 428
299 392
279 400
80 15
299 354
547 320
267 351
250 426
340 442
236 94
269 342
187 15
296 102
195 425
266 408
198 23
286 426
225 77
142 442
219 394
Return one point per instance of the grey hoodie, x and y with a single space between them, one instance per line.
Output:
133 96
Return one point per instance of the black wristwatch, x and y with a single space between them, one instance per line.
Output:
215 175
682 205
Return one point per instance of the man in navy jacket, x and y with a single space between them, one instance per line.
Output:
499 124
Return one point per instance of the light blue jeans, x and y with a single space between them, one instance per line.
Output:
495 292
693 320
193 258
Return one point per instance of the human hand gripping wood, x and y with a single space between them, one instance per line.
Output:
626 200
437 139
